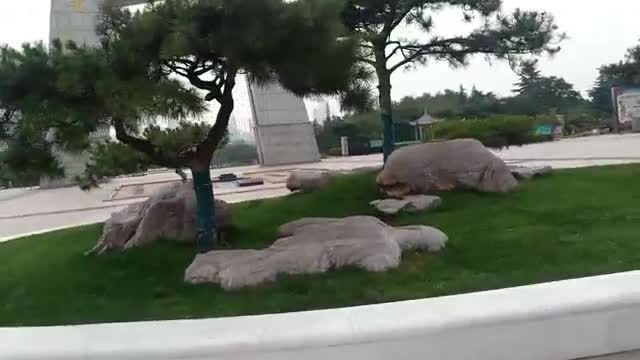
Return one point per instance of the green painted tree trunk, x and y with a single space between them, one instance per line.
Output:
389 142
384 87
207 233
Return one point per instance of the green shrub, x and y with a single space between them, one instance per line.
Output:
236 154
495 132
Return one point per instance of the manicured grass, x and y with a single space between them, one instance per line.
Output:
571 224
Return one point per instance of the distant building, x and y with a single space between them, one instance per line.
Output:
173 124
240 130
322 112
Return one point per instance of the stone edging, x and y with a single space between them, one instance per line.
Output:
560 320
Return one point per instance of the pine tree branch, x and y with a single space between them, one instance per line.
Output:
155 153
219 129
7 122
395 50
366 60
455 50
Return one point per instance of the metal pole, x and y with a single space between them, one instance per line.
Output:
388 138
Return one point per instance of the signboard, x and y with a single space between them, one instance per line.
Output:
544 130
376 143
627 105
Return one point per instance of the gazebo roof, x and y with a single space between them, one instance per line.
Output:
426 119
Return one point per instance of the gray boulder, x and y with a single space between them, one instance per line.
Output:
315 245
412 203
169 214
443 166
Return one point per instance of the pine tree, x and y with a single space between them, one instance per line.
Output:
374 23
130 79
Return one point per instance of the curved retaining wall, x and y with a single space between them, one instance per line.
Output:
561 320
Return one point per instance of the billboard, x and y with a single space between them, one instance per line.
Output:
627 105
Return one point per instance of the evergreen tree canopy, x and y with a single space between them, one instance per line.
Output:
621 74
132 79
537 94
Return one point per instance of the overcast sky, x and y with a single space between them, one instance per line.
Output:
598 33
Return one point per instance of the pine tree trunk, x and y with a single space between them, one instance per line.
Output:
386 111
201 163
203 187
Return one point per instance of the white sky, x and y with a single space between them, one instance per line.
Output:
598 33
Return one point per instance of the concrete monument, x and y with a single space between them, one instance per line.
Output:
283 131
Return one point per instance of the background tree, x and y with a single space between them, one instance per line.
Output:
528 76
236 154
109 159
481 104
373 23
130 81
621 74
537 94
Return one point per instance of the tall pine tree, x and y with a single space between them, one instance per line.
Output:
375 24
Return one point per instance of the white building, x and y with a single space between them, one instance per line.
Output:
321 112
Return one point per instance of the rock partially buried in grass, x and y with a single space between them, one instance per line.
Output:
316 245
443 166
412 203
528 173
168 214
309 180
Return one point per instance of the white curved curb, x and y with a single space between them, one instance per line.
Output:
562 320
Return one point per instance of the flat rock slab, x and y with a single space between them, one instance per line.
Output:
527 173
250 182
412 203
308 180
315 245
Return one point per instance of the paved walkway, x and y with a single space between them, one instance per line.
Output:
34 210
24 211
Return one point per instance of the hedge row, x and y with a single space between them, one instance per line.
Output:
495 132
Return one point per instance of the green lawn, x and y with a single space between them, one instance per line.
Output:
571 224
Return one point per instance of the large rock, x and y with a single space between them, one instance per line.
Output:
315 245
168 214
442 166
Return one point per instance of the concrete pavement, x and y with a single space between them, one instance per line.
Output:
35 210
25 211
